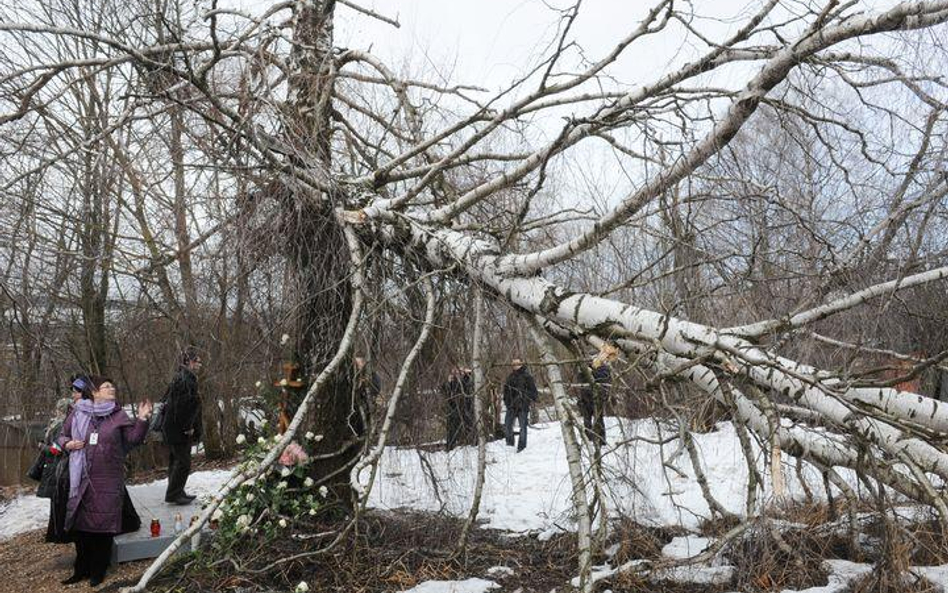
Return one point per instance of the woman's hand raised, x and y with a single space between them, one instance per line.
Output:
144 409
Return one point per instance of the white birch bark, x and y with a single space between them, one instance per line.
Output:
480 393
573 456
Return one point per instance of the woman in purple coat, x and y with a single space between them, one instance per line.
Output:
98 435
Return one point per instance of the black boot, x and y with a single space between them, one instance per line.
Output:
75 578
96 580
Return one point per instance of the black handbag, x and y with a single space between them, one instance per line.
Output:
47 485
35 472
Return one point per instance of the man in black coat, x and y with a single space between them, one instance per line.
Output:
459 407
520 391
181 425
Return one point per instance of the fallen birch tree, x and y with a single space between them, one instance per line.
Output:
353 157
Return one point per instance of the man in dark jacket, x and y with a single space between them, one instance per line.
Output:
459 407
593 397
520 391
181 425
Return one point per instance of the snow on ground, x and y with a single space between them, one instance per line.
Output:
465 586
529 491
680 548
28 512
500 572
841 574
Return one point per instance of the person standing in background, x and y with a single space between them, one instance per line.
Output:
51 486
181 425
595 382
459 408
520 391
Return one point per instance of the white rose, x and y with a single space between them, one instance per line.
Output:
312 511
250 497
285 472
281 485
284 339
282 522
218 515
318 438
283 382
302 587
261 440
277 437
258 384
323 491
308 482
241 439
263 423
243 521
310 435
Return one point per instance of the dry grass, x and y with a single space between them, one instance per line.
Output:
388 552
884 581
397 551
764 560
637 541
29 564
902 548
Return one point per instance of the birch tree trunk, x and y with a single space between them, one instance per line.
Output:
573 456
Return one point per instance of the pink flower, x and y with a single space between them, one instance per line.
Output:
293 454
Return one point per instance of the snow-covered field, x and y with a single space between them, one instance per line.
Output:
528 492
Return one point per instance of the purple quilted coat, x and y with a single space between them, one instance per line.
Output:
97 508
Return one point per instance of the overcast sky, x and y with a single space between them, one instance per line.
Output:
491 42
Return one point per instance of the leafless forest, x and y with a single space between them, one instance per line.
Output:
760 227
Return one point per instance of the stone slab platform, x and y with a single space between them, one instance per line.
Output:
150 504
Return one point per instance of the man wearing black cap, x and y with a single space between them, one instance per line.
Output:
181 425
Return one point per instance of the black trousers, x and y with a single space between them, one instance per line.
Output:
593 421
179 466
93 554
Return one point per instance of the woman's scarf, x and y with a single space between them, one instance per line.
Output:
83 414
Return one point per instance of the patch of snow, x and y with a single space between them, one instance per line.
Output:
500 572
936 574
547 534
605 571
841 574
465 586
687 546
696 574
